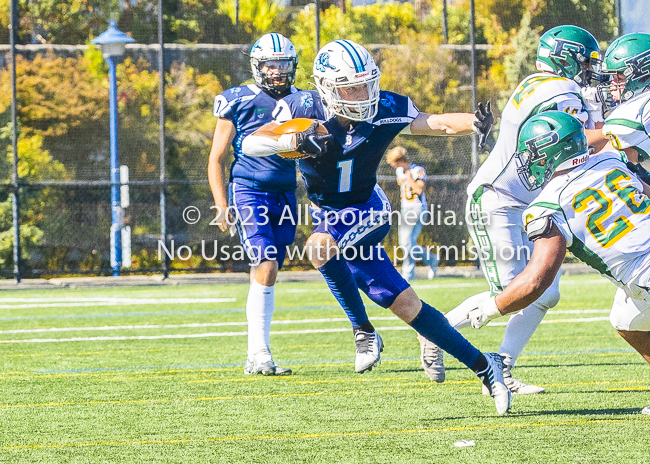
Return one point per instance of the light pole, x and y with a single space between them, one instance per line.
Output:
113 43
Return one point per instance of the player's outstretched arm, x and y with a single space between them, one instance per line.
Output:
455 123
548 255
443 124
224 133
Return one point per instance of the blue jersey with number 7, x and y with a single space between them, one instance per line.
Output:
346 175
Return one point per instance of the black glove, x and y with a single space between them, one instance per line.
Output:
640 172
310 143
484 123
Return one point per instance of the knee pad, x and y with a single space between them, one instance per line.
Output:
629 314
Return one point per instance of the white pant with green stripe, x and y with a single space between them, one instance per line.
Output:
506 252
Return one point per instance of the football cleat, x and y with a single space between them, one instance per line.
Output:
646 410
516 386
369 347
492 379
431 357
264 368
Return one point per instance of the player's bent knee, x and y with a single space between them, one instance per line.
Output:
321 247
407 305
266 273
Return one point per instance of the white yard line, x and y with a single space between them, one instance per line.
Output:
39 303
179 326
244 323
243 334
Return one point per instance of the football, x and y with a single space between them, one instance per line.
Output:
293 126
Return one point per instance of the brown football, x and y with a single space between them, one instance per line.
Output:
293 126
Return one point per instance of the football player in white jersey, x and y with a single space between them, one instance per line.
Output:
594 207
627 98
411 179
567 57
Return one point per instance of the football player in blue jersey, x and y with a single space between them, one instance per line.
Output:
259 188
352 211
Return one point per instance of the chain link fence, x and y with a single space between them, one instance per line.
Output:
65 199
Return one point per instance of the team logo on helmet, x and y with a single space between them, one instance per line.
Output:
638 66
322 62
542 141
256 46
566 48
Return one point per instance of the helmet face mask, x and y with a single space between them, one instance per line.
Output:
549 142
627 65
274 63
347 79
570 52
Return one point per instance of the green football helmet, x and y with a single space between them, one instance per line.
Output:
627 63
568 51
548 142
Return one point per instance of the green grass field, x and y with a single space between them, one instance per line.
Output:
152 374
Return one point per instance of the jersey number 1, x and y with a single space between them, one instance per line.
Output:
345 175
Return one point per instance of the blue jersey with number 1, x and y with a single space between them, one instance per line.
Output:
248 107
346 175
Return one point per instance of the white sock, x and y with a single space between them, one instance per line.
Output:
520 328
259 312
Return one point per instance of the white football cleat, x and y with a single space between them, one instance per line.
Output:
492 379
369 347
646 410
516 386
267 367
431 357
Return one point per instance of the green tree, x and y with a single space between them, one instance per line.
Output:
62 22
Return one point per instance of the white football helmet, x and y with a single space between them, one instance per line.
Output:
278 54
347 80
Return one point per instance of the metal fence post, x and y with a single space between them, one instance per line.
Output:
116 208
161 121
472 41
317 4
15 210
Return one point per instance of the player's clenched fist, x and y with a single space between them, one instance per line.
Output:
484 122
485 311
309 142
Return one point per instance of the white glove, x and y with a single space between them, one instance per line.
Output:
484 313
594 105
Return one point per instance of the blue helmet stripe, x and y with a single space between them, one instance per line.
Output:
276 42
356 58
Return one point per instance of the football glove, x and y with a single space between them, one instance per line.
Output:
485 311
484 122
310 143
640 171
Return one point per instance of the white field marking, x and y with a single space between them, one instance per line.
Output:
563 321
180 326
113 302
243 334
242 323
579 311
